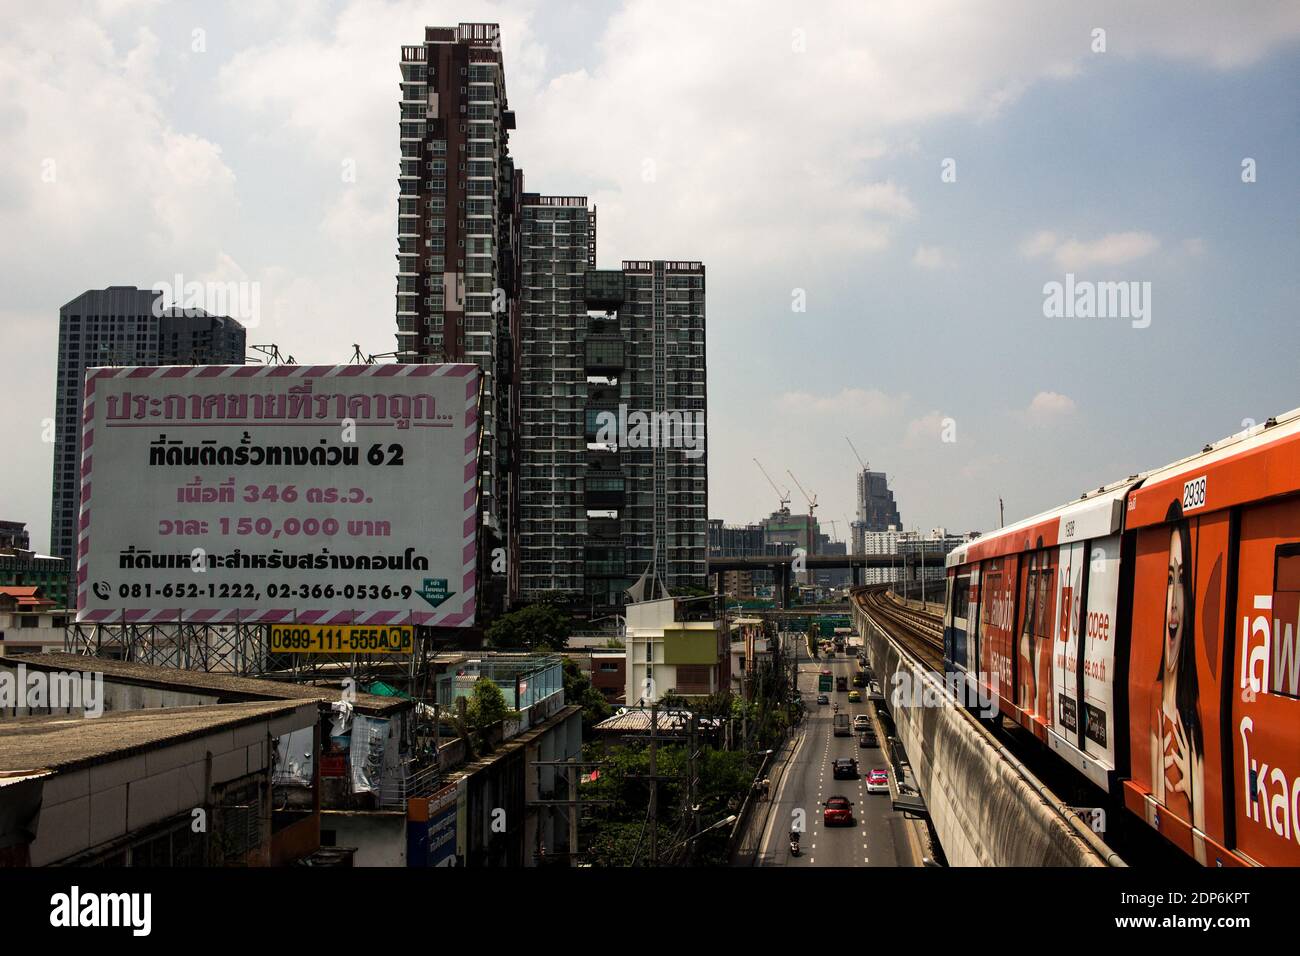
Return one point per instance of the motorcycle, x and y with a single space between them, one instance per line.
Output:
794 844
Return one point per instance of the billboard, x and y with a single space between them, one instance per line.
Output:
336 494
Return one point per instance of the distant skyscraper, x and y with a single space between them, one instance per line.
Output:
457 238
118 326
877 510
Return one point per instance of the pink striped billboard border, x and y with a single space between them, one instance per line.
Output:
462 616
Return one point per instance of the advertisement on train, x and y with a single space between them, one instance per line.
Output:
1175 672
1098 712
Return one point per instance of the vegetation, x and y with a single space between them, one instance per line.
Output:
485 709
619 832
535 627
578 690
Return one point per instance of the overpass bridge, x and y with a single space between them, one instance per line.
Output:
781 567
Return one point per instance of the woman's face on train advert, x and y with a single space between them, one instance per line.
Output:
1175 595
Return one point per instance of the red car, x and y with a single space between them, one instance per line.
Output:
838 812
878 781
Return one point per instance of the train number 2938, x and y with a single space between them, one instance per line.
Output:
1194 494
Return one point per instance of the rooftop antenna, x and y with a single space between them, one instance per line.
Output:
273 355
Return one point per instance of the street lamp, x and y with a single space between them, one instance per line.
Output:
725 821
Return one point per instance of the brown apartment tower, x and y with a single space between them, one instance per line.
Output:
457 263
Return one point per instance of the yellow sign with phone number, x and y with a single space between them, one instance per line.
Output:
342 639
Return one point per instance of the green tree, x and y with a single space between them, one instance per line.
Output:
532 627
486 708
578 690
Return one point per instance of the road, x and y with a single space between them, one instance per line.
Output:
881 836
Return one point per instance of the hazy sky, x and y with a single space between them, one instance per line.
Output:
800 154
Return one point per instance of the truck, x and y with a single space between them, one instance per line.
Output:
841 684
841 725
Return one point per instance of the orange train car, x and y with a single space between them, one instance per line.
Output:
1149 634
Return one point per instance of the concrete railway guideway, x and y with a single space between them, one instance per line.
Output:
985 806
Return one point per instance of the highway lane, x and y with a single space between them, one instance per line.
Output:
880 836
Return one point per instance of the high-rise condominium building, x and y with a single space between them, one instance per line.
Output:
668 486
457 232
120 326
614 414
557 247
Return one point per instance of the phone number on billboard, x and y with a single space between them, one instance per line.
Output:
317 592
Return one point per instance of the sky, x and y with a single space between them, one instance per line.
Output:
883 194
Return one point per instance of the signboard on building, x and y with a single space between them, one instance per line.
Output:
442 826
342 639
305 494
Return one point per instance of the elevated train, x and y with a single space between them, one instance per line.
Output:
1148 633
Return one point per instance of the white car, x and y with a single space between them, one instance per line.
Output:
861 722
878 781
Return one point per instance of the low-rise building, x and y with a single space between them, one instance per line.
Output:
22 567
30 623
675 645
177 786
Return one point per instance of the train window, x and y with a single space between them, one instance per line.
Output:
1284 668
960 596
1045 579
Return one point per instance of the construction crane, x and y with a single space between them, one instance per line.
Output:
785 497
834 532
865 466
812 502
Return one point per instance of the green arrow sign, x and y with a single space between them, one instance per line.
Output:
435 591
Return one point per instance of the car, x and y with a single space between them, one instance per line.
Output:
878 780
838 811
844 768
855 697
861 722
868 739
823 699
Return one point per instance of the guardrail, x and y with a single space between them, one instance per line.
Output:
986 807
747 832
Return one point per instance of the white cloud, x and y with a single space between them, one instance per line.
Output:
1048 407
925 431
101 175
850 403
929 257
1115 248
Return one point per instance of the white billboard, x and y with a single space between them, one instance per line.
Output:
331 494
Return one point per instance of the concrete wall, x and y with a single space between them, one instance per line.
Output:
85 808
118 695
380 838
984 812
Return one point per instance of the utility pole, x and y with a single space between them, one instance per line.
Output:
1002 522
654 784
692 739
574 772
